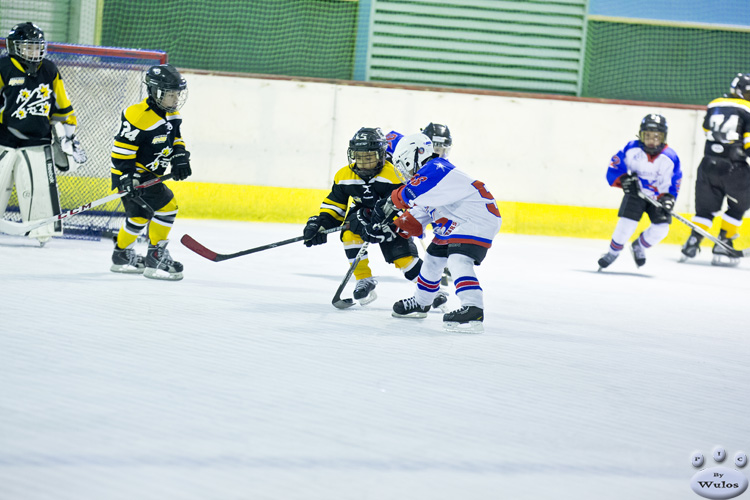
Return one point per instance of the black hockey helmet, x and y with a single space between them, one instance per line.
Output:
166 87
364 141
740 86
653 123
441 138
26 43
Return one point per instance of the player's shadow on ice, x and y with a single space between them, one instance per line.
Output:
332 277
615 273
707 263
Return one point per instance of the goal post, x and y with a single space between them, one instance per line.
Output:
100 82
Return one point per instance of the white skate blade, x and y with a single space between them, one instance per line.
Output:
414 315
370 297
724 261
160 274
683 258
468 327
125 269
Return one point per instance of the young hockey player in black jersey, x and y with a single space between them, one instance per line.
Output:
724 171
148 142
368 178
33 98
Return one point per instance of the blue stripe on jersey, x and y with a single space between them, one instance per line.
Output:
427 178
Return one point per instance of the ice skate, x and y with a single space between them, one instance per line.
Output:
408 308
43 240
127 261
467 319
691 248
639 253
606 259
160 265
364 292
721 256
440 300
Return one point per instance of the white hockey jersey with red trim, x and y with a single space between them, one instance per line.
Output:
460 208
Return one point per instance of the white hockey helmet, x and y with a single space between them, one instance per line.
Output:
411 153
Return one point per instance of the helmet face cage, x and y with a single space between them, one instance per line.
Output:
166 87
441 138
740 86
28 50
653 133
366 152
26 43
411 153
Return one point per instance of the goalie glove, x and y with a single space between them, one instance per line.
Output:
72 147
67 149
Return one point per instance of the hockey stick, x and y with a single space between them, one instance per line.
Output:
337 301
733 252
19 228
201 250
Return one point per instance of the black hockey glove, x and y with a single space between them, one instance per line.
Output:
361 219
128 183
378 233
667 201
311 233
383 211
181 166
630 184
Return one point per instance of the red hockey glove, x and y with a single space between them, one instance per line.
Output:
408 226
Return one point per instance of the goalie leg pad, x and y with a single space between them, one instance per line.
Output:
8 157
36 187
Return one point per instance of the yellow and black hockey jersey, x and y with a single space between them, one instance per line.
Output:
29 103
147 139
347 186
727 128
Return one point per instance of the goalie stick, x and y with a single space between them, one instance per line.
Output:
21 228
733 252
337 301
201 250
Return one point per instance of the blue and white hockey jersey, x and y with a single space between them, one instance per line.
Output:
459 207
659 174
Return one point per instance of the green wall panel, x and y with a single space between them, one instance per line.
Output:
313 38
645 62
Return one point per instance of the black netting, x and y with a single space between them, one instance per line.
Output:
100 87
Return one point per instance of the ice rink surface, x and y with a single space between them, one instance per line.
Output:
243 382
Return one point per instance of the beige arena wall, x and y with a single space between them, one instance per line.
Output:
266 149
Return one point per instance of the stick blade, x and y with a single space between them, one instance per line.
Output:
196 247
18 228
343 303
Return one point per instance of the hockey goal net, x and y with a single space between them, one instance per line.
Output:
101 82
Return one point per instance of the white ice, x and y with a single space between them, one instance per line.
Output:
243 382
